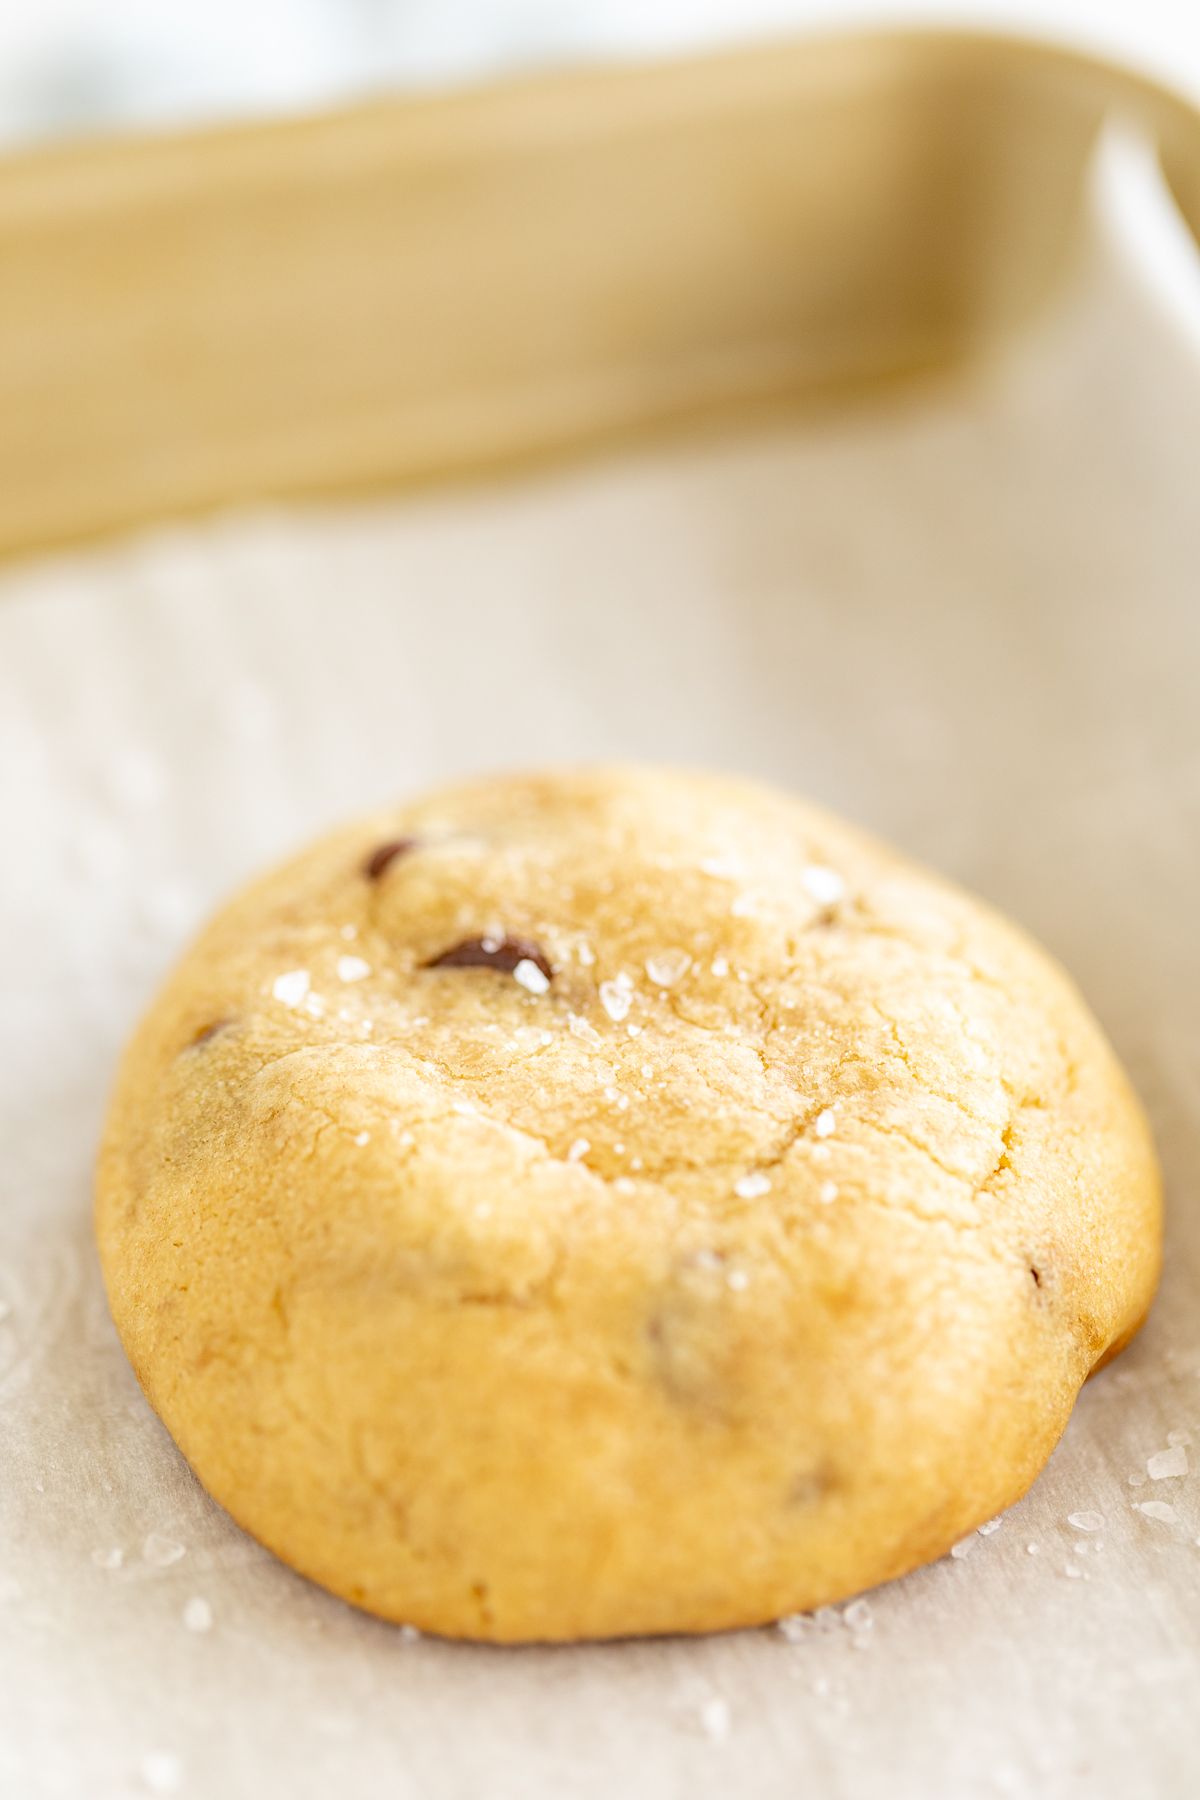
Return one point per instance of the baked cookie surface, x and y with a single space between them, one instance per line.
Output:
617 1201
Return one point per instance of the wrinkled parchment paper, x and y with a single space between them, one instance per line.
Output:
966 612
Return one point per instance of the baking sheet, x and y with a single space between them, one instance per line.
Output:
965 612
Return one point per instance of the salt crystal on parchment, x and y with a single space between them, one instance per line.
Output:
1165 1464
1157 1509
162 1551
715 1718
161 1772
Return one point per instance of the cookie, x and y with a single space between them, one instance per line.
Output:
617 1202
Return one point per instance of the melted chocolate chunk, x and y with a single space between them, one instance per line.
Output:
503 953
385 855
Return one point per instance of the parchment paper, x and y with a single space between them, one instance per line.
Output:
965 612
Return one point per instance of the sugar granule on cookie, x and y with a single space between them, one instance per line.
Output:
619 1201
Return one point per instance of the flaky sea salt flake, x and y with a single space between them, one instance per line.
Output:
715 1719
161 1772
292 988
795 1627
824 885
352 968
198 1614
162 1551
615 997
530 977
1158 1509
825 1124
1086 1521
749 1187
666 967
105 1558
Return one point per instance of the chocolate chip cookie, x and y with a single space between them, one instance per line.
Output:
617 1201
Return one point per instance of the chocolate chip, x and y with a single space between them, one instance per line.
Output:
385 855
502 953
208 1031
1037 1275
